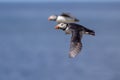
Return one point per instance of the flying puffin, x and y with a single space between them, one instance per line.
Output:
63 18
77 32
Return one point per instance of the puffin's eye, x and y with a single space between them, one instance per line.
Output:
61 24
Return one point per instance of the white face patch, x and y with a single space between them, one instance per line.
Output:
62 25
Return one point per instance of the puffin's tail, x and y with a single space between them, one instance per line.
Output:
77 20
90 32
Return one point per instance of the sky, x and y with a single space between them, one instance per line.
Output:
59 0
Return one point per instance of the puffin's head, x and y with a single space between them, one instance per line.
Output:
52 18
61 26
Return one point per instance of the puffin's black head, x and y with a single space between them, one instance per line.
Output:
62 26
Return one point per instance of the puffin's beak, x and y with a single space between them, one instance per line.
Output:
57 27
49 19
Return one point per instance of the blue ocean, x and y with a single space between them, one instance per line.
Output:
31 49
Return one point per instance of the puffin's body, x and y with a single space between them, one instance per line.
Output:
77 31
63 18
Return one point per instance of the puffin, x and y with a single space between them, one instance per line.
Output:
77 32
63 18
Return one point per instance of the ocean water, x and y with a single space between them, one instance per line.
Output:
31 49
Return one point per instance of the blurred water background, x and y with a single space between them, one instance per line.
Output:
31 49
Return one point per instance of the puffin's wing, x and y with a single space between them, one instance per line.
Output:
66 15
69 16
76 45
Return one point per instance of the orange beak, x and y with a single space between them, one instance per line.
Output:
57 27
48 19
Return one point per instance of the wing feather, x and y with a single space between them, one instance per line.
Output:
76 45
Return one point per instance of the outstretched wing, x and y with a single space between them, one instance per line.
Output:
76 45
